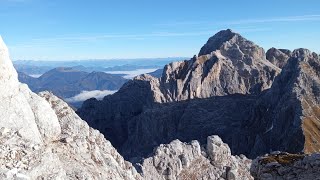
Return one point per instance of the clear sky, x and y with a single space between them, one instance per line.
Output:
98 29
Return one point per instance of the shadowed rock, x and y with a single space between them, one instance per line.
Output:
278 57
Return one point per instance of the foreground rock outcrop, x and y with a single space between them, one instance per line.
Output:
42 137
179 160
279 165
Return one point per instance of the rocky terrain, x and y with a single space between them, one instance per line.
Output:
278 57
269 110
179 160
43 138
232 89
279 165
286 117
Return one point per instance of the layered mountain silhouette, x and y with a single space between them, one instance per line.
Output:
256 102
67 82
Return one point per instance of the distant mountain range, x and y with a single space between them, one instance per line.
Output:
69 82
37 68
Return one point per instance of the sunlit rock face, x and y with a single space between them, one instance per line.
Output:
256 105
42 137
181 161
20 108
227 65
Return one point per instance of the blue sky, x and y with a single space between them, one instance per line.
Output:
104 29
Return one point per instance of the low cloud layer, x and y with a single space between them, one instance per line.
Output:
35 75
84 95
132 74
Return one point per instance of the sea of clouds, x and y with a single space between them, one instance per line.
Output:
84 95
133 73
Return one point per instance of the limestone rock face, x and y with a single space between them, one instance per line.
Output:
280 165
183 161
278 57
41 137
233 92
286 117
20 108
227 64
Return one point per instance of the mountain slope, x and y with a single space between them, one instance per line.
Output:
286 117
139 111
42 137
68 82
278 57
234 92
227 64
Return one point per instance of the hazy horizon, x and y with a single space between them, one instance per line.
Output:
81 30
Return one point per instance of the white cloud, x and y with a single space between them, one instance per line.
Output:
84 95
72 38
314 17
278 19
132 74
35 75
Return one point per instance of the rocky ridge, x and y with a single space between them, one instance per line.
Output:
278 57
286 117
267 109
226 64
234 65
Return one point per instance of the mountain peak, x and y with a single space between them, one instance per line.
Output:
8 73
3 50
302 53
216 41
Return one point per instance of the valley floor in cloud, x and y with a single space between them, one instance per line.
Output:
84 95
133 73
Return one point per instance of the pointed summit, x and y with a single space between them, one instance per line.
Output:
233 46
216 41
1 42
7 73
3 49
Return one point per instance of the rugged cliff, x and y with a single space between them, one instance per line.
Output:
286 117
230 89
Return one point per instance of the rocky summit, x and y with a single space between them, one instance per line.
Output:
256 102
